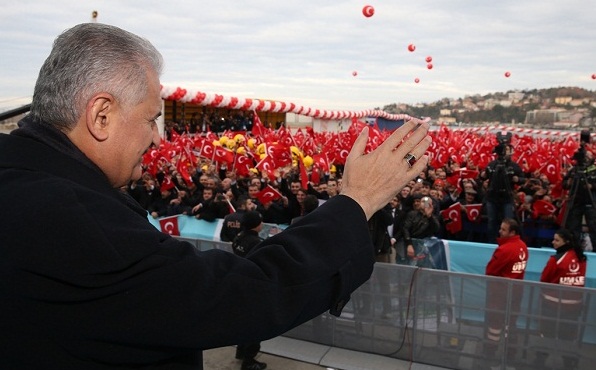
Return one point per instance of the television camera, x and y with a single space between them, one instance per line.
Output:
501 171
582 176
503 142
580 155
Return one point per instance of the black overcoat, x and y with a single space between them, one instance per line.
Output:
86 282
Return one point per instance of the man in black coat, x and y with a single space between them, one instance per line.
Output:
244 242
232 223
419 224
503 174
86 282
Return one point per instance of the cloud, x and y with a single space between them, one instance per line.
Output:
305 51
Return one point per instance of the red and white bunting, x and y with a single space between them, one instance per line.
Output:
182 95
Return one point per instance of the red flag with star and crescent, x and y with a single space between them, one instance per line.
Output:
543 208
552 170
207 150
452 217
243 164
167 183
268 194
182 167
267 165
473 211
169 225
221 154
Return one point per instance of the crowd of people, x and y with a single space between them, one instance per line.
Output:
467 201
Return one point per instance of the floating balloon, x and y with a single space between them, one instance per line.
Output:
368 11
411 47
429 59
354 73
594 76
429 66
416 80
507 74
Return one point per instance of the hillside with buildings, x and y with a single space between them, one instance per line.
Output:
561 108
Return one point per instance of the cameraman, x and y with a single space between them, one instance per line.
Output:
503 174
581 182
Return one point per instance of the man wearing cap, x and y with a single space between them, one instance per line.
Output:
232 223
243 243
419 223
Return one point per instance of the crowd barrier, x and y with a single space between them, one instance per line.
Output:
466 257
437 317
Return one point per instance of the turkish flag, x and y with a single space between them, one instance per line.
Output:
207 150
439 157
243 164
473 211
541 207
150 156
268 194
303 174
465 173
552 170
258 129
267 165
452 216
182 167
284 136
167 183
454 180
280 153
222 154
320 161
169 225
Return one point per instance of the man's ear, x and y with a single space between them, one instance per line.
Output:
99 114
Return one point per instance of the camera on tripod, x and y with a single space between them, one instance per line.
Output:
580 155
580 181
501 172
503 142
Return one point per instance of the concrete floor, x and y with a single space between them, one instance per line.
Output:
283 353
223 359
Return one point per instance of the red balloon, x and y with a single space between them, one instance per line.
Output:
411 47
429 59
429 66
416 80
368 11
507 74
354 73
594 76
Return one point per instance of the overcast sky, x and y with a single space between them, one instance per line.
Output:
306 51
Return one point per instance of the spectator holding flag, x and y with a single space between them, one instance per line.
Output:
419 223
